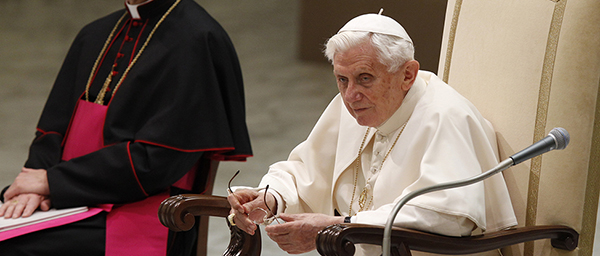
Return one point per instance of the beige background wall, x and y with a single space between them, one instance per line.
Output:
423 20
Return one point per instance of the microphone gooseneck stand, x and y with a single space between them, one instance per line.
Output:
558 138
387 233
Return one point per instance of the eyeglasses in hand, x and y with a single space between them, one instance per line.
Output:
259 215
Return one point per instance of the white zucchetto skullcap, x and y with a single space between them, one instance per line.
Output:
376 23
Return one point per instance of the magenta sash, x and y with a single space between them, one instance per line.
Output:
131 229
85 132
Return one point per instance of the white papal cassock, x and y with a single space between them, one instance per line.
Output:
445 139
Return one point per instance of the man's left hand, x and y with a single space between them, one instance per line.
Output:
299 232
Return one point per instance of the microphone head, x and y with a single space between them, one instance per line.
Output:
561 137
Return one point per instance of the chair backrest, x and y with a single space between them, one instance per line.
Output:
207 168
530 66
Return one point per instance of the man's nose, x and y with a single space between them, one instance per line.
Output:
353 92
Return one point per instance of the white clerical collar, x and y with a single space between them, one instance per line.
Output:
403 113
133 9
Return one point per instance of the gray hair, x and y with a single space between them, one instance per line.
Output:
392 51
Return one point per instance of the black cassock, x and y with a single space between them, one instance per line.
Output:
181 99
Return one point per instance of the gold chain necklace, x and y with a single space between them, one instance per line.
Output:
362 200
100 98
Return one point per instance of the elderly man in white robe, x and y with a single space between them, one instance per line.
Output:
392 129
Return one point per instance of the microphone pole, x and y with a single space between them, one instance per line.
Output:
558 138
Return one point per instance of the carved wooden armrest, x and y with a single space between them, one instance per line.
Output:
178 213
340 239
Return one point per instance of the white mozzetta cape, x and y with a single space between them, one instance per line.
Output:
445 139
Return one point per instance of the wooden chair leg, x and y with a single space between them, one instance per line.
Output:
201 249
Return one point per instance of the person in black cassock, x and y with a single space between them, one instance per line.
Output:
143 94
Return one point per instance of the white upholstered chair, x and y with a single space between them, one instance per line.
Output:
529 66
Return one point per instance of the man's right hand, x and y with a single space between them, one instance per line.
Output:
24 205
242 202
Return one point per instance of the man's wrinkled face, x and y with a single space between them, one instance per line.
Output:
370 92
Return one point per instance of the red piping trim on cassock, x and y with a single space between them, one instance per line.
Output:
216 156
137 41
44 133
133 169
186 150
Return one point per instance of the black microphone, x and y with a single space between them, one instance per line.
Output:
558 138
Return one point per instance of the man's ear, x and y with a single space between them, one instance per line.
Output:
410 70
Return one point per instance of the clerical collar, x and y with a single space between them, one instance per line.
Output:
148 8
403 113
